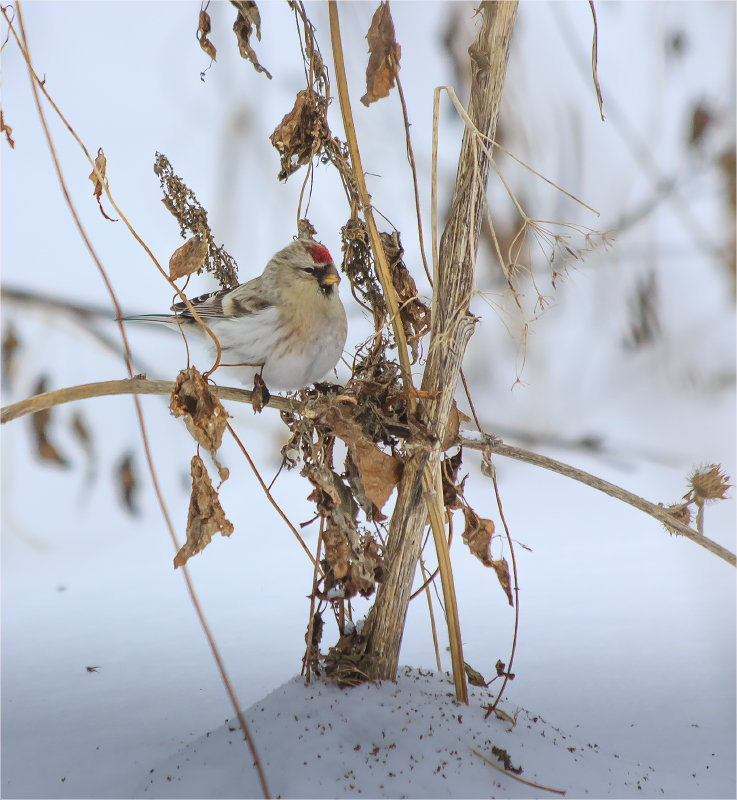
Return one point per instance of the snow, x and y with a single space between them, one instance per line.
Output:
410 738
626 645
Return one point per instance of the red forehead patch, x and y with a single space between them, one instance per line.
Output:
320 254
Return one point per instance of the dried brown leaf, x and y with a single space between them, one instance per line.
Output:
477 536
449 471
701 120
474 678
81 432
202 411
379 471
203 28
206 516
188 258
415 315
336 551
246 22
40 423
182 204
501 667
127 483
101 165
503 756
383 64
7 130
9 348
260 395
302 133
502 573
452 428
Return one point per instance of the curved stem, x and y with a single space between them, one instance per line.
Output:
495 445
41 402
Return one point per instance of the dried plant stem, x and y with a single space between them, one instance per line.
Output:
413 167
104 183
134 386
434 491
452 325
311 623
494 445
144 386
382 268
268 494
513 649
390 642
433 629
149 459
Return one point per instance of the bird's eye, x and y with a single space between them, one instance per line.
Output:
309 270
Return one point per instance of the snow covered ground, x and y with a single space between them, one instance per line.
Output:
625 664
406 739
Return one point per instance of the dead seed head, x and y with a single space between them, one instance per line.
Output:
708 483
192 217
681 512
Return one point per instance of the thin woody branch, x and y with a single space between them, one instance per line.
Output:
495 445
484 442
451 329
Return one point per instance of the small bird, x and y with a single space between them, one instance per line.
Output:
288 325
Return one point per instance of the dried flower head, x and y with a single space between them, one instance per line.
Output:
681 513
707 483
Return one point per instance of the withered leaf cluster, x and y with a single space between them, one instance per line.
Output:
505 759
347 663
352 563
183 205
206 420
302 133
203 413
205 517
247 22
383 65
365 416
358 267
414 313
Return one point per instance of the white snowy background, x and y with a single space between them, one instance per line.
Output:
627 635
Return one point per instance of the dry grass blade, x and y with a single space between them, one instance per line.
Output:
433 494
595 61
377 250
516 777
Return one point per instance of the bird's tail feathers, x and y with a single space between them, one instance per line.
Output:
166 319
